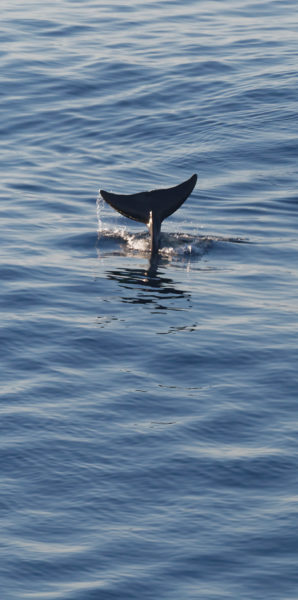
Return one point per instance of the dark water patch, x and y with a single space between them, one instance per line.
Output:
150 288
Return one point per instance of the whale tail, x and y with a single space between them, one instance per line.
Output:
151 207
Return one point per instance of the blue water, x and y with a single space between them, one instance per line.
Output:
149 424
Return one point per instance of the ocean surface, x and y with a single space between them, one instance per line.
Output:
149 416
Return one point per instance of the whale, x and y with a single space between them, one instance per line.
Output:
151 207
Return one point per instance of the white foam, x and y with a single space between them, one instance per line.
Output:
172 244
140 244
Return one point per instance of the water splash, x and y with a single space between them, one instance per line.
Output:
118 239
172 244
99 211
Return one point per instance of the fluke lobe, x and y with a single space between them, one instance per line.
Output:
151 207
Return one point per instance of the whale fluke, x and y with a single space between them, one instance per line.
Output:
151 207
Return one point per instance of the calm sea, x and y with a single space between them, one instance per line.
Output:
149 417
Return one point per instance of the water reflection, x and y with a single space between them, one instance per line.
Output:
148 286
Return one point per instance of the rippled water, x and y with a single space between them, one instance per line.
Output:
149 415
